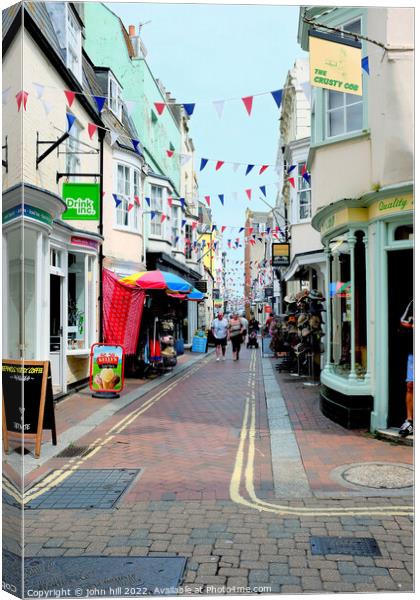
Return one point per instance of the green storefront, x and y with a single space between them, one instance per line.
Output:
368 243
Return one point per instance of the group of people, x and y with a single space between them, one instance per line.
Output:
234 328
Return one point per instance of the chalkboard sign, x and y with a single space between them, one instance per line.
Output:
28 405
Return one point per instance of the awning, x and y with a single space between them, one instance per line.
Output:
303 260
158 280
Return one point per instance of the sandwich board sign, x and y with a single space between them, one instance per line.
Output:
28 406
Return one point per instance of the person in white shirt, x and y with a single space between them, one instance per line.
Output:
219 329
244 322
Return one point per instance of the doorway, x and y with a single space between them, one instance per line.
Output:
56 332
400 340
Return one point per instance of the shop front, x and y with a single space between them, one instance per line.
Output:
369 254
50 308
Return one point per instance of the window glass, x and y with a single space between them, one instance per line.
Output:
76 301
174 225
128 186
156 197
303 194
188 246
114 100
404 232
74 45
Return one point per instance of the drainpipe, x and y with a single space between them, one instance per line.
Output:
101 230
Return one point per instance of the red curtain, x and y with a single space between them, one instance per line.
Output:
122 312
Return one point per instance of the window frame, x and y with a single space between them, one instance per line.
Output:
71 49
117 101
156 228
302 186
124 219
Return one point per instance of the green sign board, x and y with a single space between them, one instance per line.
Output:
82 200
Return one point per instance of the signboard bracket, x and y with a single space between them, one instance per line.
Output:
54 145
5 161
60 175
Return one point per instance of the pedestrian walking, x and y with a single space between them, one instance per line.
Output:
235 329
219 329
244 322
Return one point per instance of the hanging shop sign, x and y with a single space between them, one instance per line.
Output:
106 371
28 406
335 62
82 201
269 292
280 254
29 212
216 294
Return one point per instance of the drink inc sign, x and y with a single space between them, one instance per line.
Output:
82 200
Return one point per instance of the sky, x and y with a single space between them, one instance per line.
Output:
209 52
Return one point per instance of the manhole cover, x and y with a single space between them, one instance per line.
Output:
84 576
73 451
379 476
344 545
87 488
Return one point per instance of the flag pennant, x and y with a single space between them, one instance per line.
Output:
170 153
147 200
70 120
91 129
207 199
100 101
277 95
136 146
160 107
170 199
262 169
219 105
137 200
130 206
229 243
306 176
21 97
183 223
184 159
5 95
152 214
70 97
39 89
236 166
263 190
247 100
306 89
162 218
47 107
193 224
248 193
223 227
290 169
114 137
117 200
203 163
130 106
189 108
214 227
268 230
241 229
291 180
249 169
250 230
365 64
176 239
182 200
219 164
222 199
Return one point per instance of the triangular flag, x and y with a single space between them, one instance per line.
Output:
262 188
162 218
277 95
193 224
189 109
219 164
176 239
263 168
160 107
223 227
306 177
219 106
39 89
5 95
182 200
365 64
114 137
47 107
306 89
250 230
21 97
248 193
185 158
70 120
203 163
207 199
136 145
100 101
247 100
222 199
229 242
290 169
147 200
137 200
235 196
91 129
129 206
291 180
236 166
241 229
117 200
249 169
130 105
152 214
268 230
214 227
183 223
170 153
170 201
70 97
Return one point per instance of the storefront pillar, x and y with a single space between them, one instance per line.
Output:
352 242
327 367
368 376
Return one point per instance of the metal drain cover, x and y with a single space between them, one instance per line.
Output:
71 451
345 545
84 576
379 476
86 488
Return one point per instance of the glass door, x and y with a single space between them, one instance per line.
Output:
56 322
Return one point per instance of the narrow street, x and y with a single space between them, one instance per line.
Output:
214 474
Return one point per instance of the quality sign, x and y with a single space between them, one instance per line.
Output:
82 200
335 63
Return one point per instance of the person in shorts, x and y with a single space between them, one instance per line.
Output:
219 329
235 334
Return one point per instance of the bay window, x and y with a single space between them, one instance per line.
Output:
128 186
174 225
156 205
303 195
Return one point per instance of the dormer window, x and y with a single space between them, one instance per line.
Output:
114 97
74 44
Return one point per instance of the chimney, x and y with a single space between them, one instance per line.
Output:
131 30
138 46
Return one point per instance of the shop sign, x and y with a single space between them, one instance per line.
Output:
269 292
391 205
82 201
84 242
106 371
27 417
218 303
29 212
280 254
335 63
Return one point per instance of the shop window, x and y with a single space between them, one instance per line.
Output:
76 328
156 205
404 232
303 195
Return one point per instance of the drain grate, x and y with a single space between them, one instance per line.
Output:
345 545
71 451
86 488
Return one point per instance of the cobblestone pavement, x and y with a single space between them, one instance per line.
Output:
206 492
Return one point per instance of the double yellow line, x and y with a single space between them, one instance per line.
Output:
243 474
59 475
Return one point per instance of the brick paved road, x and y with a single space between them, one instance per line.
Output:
206 492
